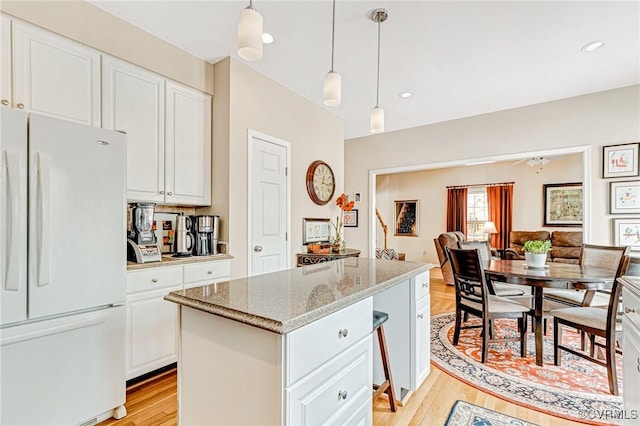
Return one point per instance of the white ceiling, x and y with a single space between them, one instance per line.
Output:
460 58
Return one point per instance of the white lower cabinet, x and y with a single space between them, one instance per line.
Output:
422 357
631 351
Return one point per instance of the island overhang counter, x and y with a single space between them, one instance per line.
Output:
295 346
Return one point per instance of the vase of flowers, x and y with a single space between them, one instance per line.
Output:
337 241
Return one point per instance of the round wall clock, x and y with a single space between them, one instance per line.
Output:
321 182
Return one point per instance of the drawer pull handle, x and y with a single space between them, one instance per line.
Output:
425 285
5 102
420 316
20 106
343 332
628 310
155 280
342 394
209 272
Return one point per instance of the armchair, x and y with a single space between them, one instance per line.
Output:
448 239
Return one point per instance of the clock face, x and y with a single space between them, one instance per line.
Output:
321 183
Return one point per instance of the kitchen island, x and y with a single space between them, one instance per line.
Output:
296 346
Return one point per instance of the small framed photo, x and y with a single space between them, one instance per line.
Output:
406 218
315 230
356 197
621 160
350 218
626 232
563 204
625 197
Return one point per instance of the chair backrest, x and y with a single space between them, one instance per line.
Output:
605 257
483 246
614 300
468 275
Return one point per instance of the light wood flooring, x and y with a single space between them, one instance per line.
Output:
154 402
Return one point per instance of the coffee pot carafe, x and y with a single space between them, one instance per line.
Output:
183 241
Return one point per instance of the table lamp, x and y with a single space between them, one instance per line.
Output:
490 228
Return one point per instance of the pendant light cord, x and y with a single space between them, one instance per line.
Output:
378 74
333 32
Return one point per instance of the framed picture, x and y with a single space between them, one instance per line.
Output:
350 219
563 204
625 197
406 218
620 160
315 230
626 232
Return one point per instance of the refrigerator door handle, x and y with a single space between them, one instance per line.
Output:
16 189
43 219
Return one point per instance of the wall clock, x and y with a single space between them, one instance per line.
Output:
321 183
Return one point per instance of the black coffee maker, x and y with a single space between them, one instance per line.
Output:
205 235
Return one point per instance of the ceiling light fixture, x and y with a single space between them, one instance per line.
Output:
250 34
267 38
406 95
377 114
590 47
332 89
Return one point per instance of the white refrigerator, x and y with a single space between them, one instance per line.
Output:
62 271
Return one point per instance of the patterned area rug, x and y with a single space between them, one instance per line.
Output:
466 414
577 390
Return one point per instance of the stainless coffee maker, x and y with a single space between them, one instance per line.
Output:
183 241
142 246
205 234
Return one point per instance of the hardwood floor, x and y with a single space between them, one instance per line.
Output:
154 401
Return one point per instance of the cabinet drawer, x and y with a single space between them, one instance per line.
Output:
631 306
207 271
336 390
316 343
421 283
154 278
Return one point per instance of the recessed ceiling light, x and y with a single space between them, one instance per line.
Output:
594 45
406 95
267 38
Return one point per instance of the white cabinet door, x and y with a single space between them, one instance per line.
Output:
152 332
5 62
55 76
631 370
422 357
133 102
188 146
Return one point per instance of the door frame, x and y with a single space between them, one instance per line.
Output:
287 146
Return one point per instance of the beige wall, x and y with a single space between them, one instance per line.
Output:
258 103
93 27
429 188
604 118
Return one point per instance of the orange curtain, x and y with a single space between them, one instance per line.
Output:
457 209
500 206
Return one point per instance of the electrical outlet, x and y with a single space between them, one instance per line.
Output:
422 253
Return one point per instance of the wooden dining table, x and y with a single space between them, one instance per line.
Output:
553 275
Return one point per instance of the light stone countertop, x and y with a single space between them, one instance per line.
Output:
632 283
284 301
168 260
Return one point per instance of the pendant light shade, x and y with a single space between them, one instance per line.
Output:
250 34
332 89
377 120
377 114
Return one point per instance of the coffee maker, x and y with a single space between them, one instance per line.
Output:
142 246
205 235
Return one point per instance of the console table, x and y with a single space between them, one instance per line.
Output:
304 259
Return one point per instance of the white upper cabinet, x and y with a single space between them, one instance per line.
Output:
133 102
188 146
6 97
55 76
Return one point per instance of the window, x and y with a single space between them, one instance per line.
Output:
477 214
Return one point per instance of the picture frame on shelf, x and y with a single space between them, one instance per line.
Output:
350 218
624 197
621 160
315 230
563 204
406 218
626 232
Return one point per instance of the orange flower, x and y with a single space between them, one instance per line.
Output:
345 206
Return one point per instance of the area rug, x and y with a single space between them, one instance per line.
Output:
466 414
577 390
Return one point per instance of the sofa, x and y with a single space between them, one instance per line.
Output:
565 245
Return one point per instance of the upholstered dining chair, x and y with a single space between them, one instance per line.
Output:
595 322
472 297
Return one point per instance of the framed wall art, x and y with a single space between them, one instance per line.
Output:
406 218
621 160
315 230
350 218
625 197
626 232
563 204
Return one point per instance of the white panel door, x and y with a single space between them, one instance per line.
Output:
77 216
268 216
133 102
188 146
5 61
13 215
55 76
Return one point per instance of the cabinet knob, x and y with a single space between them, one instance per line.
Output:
343 332
169 193
257 249
420 316
5 102
20 106
342 394
161 192
209 272
425 285
155 280
628 310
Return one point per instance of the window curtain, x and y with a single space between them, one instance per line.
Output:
457 209
500 209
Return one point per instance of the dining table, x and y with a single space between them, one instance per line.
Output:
552 275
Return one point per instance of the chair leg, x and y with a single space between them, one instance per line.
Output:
611 365
486 325
557 339
390 391
491 330
523 335
456 331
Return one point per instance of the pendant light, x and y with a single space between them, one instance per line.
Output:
377 114
250 34
332 89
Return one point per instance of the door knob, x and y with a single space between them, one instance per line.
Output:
257 249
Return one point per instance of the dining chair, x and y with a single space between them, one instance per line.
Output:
499 289
473 297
